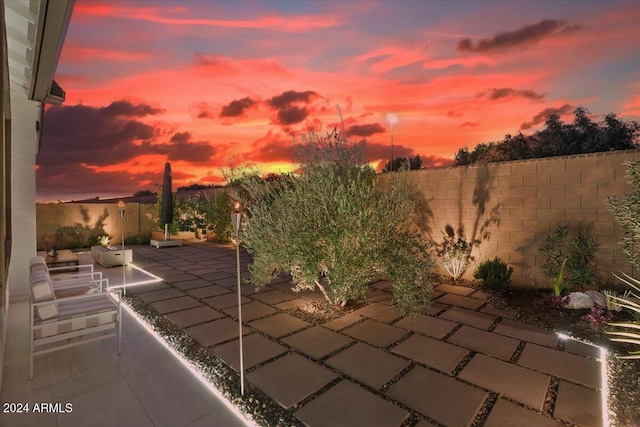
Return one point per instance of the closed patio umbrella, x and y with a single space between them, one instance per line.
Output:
166 208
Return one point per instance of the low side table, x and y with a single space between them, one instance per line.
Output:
63 258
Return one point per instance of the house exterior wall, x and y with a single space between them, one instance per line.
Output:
512 207
23 192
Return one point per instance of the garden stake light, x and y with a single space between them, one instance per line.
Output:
121 206
236 217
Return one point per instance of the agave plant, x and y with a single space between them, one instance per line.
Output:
628 332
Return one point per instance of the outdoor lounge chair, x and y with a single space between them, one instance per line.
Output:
67 276
58 322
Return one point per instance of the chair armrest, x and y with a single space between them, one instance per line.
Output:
111 293
73 267
71 277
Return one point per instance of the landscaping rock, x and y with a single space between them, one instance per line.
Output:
579 300
598 298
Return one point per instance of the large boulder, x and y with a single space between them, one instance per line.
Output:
598 298
579 300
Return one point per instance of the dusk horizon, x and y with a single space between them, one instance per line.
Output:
207 85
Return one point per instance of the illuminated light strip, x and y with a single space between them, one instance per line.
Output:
195 372
604 378
143 282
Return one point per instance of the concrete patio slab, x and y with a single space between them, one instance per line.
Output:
485 342
376 295
434 395
581 349
193 316
208 291
469 317
216 332
279 325
256 349
578 405
342 322
379 312
225 301
191 284
273 297
427 325
183 277
290 379
454 289
376 333
505 413
367 364
250 311
213 277
317 341
159 295
491 309
175 304
574 368
431 352
526 332
348 405
435 308
507 379
461 301
294 304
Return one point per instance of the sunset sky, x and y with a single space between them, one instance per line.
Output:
209 84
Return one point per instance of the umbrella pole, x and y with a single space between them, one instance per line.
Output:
166 232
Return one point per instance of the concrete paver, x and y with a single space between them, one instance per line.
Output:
175 304
193 316
469 317
526 332
225 301
342 322
215 332
505 413
256 349
453 289
488 343
427 325
431 352
208 291
461 301
273 297
250 311
578 405
438 396
317 341
279 325
379 312
348 405
159 295
290 379
564 365
367 364
507 379
376 333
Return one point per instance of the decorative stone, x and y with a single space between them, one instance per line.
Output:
598 298
579 300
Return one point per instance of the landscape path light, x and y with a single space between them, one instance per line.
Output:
392 119
236 218
121 206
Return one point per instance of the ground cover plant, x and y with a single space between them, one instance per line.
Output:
335 228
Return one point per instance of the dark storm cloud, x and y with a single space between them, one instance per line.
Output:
182 148
364 130
542 115
289 97
237 108
507 92
124 108
522 36
291 115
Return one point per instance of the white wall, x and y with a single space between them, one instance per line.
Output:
23 193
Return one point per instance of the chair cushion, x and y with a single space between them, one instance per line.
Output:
41 291
79 314
37 263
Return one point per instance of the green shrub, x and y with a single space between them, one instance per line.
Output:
575 251
494 274
218 216
143 239
334 228
626 211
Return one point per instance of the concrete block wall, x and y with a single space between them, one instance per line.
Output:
512 207
139 219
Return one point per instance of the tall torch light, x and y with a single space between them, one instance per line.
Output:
236 218
121 207
392 119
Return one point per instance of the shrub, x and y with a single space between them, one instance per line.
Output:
577 252
334 228
455 252
494 274
143 239
626 211
218 216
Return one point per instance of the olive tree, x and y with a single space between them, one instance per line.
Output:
333 227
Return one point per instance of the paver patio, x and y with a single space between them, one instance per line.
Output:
461 362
